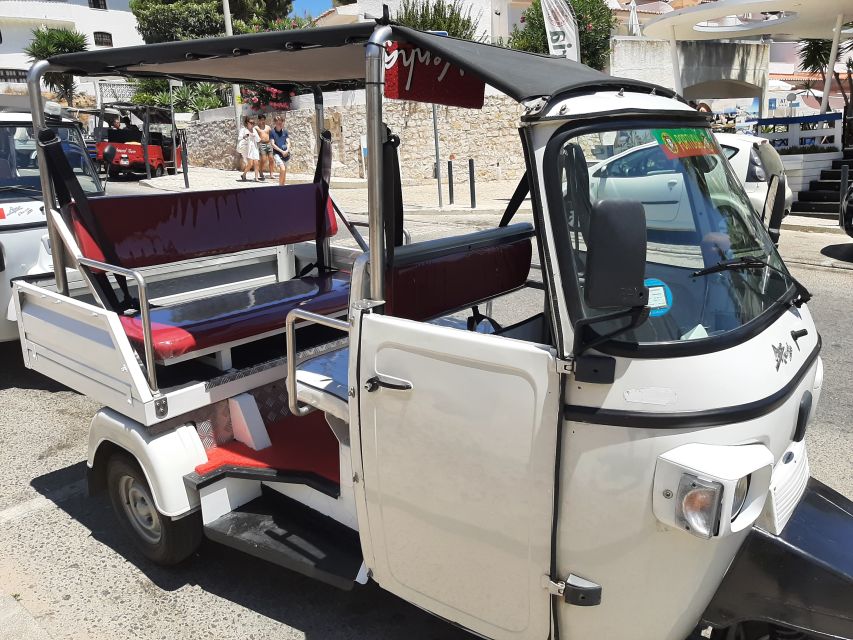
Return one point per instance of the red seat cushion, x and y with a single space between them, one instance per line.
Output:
305 445
190 326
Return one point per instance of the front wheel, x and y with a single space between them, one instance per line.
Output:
158 172
161 539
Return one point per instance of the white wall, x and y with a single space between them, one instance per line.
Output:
489 24
18 19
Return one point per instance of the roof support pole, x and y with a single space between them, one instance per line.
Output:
375 82
830 67
676 65
57 250
320 119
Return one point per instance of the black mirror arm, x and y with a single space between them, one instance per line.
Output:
638 316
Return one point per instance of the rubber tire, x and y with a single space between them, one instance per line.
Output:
158 172
113 173
179 539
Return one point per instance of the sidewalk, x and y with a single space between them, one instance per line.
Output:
351 193
419 199
16 623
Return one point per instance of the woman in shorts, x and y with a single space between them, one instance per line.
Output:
247 147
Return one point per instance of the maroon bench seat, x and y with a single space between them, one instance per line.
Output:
134 232
199 324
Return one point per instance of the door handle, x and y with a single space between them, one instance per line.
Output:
375 383
671 183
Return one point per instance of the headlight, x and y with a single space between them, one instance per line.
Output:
711 490
698 505
741 489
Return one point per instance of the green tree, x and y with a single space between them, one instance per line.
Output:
452 16
49 42
161 21
168 20
814 58
595 25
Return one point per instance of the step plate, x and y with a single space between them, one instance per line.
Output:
282 531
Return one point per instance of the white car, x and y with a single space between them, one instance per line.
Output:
755 161
24 245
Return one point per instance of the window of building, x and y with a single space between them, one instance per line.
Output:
97 4
103 39
13 75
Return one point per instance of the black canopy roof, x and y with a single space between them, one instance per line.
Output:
334 55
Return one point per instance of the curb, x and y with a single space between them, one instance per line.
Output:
16 623
807 228
828 264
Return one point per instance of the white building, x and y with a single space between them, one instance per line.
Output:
495 18
106 23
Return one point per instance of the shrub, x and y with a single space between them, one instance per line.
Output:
452 16
595 24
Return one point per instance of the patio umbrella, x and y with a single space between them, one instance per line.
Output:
634 20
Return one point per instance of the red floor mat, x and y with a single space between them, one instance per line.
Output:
298 444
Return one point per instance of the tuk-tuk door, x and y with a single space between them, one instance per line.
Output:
458 441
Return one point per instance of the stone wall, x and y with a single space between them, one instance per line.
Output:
489 136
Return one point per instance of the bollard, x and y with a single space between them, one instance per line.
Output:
450 181
842 206
471 183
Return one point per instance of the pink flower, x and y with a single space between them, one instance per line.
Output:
255 100
292 94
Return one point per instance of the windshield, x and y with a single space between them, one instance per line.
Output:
697 216
19 172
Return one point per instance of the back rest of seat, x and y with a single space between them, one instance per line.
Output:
431 279
155 229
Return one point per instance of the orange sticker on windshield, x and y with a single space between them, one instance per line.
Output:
685 143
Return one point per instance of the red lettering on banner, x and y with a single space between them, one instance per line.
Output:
414 74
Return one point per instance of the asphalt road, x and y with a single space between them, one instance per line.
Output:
64 560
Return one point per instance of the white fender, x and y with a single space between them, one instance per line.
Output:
165 457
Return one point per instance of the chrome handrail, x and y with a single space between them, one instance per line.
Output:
290 334
144 311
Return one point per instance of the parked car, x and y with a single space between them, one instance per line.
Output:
755 161
24 244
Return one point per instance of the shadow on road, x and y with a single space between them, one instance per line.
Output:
320 611
840 252
14 375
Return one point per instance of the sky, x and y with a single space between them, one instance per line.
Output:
314 7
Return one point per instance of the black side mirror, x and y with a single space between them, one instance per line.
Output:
109 154
616 256
774 207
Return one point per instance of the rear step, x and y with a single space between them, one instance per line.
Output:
282 531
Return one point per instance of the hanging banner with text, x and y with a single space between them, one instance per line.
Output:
414 74
562 29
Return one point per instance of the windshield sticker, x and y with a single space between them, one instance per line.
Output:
660 297
684 143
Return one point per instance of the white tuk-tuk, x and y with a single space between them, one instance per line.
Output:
626 461
24 244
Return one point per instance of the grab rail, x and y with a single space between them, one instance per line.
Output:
144 312
290 333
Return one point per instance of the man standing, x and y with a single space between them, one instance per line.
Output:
280 141
264 146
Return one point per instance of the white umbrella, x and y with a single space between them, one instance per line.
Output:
634 20
613 4
779 85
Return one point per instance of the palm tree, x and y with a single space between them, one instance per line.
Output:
814 58
49 42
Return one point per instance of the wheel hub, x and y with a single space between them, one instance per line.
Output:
140 510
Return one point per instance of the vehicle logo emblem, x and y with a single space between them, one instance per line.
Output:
784 354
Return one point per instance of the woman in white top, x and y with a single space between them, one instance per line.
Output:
247 147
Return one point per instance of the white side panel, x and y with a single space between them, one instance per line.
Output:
224 496
165 458
458 472
83 347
